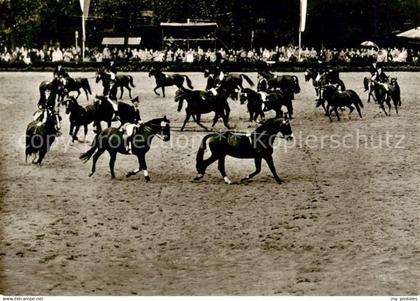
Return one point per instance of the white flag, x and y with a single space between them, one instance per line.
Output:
303 7
84 6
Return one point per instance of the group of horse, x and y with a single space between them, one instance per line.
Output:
333 96
273 92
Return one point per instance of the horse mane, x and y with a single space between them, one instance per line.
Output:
265 73
156 121
266 125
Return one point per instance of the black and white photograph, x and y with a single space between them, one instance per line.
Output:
209 148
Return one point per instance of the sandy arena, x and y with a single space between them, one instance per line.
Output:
344 222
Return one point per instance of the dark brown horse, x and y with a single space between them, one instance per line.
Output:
254 102
99 111
337 99
40 135
112 140
257 146
286 83
165 80
203 102
232 83
75 84
121 81
384 93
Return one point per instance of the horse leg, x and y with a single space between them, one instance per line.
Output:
95 158
71 128
226 120
388 102
289 107
86 92
154 90
257 169
201 169
227 111
325 109
163 91
216 117
329 114
198 121
336 113
144 167
187 118
135 171
98 127
351 110
270 163
85 132
113 156
383 108
129 91
78 94
221 167
75 133
41 155
358 110
122 92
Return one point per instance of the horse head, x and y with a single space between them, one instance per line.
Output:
296 87
100 75
154 72
327 91
206 72
284 128
180 96
309 73
243 97
160 127
70 103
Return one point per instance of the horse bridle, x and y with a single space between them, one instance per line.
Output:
162 125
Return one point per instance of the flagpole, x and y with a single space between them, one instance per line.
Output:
300 44
83 37
302 23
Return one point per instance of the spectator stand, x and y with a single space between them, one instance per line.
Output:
189 34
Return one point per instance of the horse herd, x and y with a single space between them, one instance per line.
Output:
273 93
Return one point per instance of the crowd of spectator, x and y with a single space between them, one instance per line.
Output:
278 54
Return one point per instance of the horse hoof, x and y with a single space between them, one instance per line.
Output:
129 174
245 179
227 180
279 181
147 178
91 174
198 177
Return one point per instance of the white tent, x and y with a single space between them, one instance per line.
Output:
413 33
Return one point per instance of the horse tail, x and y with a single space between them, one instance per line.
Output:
86 85
248 80
357 98
200 153
366 83
189 83
296 80
131 81
342 85
95 144
28 149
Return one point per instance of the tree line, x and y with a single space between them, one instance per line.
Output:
242 23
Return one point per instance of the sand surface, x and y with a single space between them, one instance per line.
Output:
344 222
